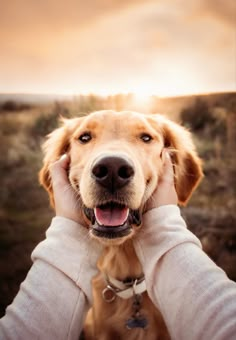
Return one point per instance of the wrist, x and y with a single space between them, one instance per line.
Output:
162 211
164 229
75 216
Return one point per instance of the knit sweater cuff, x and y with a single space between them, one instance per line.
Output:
163 229
69 248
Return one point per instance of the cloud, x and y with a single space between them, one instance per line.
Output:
221 10
52 15
36 28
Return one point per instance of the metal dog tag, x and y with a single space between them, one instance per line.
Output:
136 322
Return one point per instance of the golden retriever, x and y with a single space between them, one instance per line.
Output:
116 162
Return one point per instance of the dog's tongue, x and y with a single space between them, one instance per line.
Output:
111 216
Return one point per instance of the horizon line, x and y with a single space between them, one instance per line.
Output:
86 94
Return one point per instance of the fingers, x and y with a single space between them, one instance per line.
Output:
66 203
59 169
168 171
165 192
64 161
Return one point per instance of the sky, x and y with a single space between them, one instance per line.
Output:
162 47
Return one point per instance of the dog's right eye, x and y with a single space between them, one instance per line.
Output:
146 138
85 138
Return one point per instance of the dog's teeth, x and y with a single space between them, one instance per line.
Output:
97 218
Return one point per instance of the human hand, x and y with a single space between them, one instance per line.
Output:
165 192
65 197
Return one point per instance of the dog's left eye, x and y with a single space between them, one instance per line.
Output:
85 138
146 138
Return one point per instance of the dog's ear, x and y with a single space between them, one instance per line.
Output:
57 143
187 164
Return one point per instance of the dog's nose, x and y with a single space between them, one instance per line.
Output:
113 172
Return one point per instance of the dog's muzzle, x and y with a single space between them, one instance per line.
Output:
111 218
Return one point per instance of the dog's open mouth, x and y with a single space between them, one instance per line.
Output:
112 220
111 214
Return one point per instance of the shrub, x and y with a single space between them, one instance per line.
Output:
11 105
44 124
198 115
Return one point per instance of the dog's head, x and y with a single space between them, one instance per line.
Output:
116 162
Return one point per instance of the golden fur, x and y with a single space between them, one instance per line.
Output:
119 134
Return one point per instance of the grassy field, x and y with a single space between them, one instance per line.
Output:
24 206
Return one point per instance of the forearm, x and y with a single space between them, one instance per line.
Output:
54 298
196 298
48 306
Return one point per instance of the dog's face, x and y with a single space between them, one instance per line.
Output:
116 161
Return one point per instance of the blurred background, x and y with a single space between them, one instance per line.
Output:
72 57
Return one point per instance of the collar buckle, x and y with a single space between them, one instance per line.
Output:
109 294
123 289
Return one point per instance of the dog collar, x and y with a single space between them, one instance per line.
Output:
124 290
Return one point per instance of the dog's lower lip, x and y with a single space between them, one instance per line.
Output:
115 229
111 232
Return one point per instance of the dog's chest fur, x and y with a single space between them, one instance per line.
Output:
108 320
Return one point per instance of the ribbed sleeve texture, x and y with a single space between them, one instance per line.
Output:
196 298
55 296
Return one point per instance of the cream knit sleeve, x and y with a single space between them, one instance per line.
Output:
55 296
196 298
